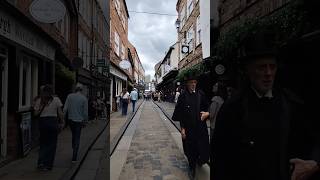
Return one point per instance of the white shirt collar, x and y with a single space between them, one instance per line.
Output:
268 94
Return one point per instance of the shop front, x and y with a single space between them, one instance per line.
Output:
27 58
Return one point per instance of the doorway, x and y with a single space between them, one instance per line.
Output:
3 100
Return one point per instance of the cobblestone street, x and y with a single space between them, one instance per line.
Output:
150 149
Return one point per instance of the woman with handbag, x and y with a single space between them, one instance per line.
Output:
51 119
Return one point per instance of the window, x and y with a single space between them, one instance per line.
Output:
190 7
190 37
123 19
27 81
116 43
122 52
182 55
198 31
182 16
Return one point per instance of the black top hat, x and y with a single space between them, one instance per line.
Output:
258 44
190 76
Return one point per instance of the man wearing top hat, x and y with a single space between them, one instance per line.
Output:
261 133
192 112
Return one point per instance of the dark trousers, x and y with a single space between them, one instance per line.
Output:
133 105
48 127
76 133
124 108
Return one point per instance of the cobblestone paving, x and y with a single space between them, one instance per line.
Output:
153 154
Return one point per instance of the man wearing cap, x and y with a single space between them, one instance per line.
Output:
261 133
134 98
192 112
76 107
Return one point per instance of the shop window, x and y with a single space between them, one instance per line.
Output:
27 81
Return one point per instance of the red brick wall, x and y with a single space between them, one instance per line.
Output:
116 25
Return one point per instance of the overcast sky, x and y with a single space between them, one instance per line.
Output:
152 35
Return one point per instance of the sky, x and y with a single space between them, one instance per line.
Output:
152 35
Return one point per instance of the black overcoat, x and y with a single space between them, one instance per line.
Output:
234 146
196 130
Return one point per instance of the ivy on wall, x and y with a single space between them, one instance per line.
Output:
287 23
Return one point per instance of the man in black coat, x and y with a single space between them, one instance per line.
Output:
192 112
261 133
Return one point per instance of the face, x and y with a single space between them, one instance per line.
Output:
262 74
215 88
191 85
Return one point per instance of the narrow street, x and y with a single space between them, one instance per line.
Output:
151 148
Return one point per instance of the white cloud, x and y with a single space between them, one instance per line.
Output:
152 35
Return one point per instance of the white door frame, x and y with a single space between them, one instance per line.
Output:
4 108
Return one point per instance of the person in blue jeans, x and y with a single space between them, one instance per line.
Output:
134 98
76 107
125 101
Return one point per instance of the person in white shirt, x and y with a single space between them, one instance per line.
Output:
177 95
48 108
134 98
125 101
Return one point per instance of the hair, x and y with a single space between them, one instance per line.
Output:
221 90
46 95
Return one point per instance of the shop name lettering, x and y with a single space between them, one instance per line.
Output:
5 25
28 38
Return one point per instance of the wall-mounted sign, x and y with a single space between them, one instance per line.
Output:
220 69
101 63
185 49
13 29
47 11
125 64
25 126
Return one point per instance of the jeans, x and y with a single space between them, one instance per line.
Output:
133 105
124 108
76 133
48 127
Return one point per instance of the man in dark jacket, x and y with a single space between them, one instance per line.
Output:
261 133
192 112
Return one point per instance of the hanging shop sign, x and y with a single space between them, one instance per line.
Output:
220 69
125 64
12 29
101 63
47 11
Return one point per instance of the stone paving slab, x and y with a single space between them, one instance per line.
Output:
153 153
118 123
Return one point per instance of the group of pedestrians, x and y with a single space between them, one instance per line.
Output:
258 133
52 118
125 98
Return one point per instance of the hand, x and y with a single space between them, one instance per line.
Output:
303 169
204 115
183 133
61 126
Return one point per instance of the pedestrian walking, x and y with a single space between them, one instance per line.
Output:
125 101
192 112
48 108
76 106
134 98
118 99
177 95
261 132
